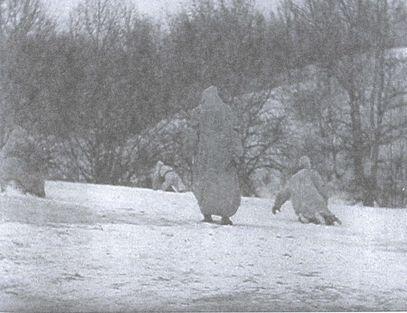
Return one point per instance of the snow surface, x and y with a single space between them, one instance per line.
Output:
104 248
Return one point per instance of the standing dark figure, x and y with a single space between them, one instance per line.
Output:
218 148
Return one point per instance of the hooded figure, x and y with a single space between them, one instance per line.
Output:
165 178
308 195
20 163
215 179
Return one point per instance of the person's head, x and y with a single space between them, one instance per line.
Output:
304 162
210 96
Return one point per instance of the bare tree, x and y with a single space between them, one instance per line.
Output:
22 22
353 39
112 55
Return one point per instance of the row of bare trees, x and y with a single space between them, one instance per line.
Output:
111 92
355 57
91 89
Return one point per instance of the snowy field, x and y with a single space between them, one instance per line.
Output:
102 248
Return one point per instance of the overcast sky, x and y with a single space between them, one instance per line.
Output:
155 8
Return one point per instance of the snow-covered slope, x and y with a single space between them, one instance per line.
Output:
103 248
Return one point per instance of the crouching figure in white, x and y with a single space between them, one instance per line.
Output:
308 195
165 178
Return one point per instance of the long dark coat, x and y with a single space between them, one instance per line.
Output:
218 148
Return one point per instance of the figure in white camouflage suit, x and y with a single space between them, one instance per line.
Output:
217 152
21 164
308 195
165 178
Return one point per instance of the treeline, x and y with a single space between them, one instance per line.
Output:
110 93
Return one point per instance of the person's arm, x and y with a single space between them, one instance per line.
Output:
237 149
237 152
320 185
156 177
191 138
282 197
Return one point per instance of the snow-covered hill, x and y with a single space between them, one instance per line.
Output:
103 248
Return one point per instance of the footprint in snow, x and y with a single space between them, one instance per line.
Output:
309 274
160 278
76 276
250 280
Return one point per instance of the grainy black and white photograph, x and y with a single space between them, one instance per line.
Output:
203 155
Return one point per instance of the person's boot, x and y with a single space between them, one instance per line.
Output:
226 221
329 219
319 219
334 219
337 220
207 219
303 219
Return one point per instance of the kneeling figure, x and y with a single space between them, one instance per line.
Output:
308 196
